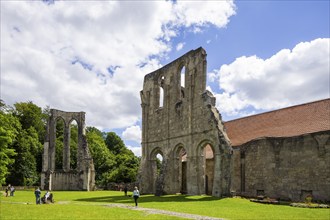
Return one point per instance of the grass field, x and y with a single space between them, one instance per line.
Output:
93 205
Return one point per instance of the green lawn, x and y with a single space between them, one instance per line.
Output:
92 205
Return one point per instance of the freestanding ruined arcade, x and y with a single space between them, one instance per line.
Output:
180 123
81 178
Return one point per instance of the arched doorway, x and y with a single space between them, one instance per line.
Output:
158 166
206 168
181 169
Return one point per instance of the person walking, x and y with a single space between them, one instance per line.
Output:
136 195
6 191
37 193
125 189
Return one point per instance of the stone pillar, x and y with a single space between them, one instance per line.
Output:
80 150
217 191
45 157
52 141
193 177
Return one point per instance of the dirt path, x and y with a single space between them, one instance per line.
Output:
164 212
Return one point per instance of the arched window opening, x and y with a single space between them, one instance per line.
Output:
59 143
161 97
73 144
161 92
183 76
158 167
159 161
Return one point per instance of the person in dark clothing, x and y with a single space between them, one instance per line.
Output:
37 193
125 189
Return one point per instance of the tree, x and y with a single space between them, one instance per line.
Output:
28 144
9 129
104 160
31 115
114 143
24 170
127 163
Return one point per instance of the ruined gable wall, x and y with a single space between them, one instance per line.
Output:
81 178
188 118
285 168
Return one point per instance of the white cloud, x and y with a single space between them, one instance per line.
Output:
179 46
287 78
136 150
132 133
200 13
213 76
92 55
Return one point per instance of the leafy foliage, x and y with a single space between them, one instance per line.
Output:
114 143
9 129
104 159
126 162
113 161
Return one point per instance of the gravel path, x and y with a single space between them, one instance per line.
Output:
164 212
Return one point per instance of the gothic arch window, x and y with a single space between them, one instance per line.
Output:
74 130
161 92
182 74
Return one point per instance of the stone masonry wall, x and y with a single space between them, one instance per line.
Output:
284 168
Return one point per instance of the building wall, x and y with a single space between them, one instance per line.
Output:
284 168
187 119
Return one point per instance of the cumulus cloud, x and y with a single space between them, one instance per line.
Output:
287 78
200 13
92 55
132 133
179 46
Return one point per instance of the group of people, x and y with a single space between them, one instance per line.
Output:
48 197
10 189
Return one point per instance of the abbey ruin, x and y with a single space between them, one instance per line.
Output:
80 178
283 154
180 122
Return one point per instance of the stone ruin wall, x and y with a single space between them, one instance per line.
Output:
284 168
181 126
81 178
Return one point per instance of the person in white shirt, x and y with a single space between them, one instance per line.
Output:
136 195
47 195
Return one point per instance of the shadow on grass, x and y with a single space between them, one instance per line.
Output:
148 199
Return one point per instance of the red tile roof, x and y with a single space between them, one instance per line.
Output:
292 121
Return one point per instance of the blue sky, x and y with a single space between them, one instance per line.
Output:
92 56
